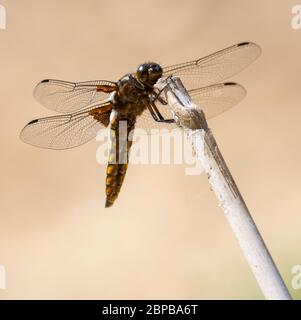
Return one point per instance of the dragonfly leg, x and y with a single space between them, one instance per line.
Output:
156 96
157 115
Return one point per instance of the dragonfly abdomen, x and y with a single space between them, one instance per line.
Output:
118 157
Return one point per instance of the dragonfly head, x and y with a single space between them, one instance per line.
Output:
149 73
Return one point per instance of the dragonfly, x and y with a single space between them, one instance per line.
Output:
86 107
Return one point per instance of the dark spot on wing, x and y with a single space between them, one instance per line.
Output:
33 121
243 44
46 80
230 84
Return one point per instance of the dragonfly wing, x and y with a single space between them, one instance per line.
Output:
213 100
65 96
67 131
216 67
218 98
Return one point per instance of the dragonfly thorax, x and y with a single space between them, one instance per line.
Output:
130 98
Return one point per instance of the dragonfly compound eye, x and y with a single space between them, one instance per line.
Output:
149 73
142 73
154 72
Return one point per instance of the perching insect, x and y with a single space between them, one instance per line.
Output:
93 105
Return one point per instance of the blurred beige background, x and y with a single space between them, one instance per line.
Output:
165 237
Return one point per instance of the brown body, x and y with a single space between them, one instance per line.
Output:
129 101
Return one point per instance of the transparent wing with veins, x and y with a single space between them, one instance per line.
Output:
65 96
67 131
215 67
213 100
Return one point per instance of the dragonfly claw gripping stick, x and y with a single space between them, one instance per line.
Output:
193 120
